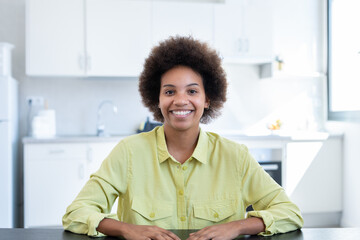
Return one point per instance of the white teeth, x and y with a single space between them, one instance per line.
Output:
181 112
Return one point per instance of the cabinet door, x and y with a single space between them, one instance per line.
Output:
258 28
55 37
172 18
53 176
118 36
315 169
243 30
228 26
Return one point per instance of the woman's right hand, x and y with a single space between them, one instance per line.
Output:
129 231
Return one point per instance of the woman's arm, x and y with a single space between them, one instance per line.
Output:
96 198
93 203
268 199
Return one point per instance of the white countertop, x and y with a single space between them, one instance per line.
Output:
235 135
75 138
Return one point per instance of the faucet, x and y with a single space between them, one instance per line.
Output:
100 126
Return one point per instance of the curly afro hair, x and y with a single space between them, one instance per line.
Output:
183 51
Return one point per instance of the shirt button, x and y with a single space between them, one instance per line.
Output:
216 215
181 192
152 215
184 168
183 219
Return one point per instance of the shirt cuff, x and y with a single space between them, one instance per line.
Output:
94 221
268 219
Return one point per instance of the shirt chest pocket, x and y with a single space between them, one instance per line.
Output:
152 212
208 213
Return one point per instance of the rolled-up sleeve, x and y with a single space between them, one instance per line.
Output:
95 200
268 199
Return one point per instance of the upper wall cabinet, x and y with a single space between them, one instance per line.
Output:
113 37
171 18
55 37
118 36
243 31
87 37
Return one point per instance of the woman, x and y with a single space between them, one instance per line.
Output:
178 176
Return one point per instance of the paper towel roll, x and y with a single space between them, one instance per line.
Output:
44 124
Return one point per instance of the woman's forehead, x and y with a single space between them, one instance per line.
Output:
181 75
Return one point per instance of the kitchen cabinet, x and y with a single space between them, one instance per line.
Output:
54 173
113 37
55 37
243 31
87 37
312 166
171 18
118 36
311 173
298 39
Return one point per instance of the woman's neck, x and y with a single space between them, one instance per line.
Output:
181 144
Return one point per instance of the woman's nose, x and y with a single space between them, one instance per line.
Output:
181 99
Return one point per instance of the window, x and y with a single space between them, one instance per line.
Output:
344 60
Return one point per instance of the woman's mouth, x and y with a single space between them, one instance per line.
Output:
181 113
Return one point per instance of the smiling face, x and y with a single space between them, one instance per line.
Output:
182 99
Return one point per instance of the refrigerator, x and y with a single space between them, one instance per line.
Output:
8 137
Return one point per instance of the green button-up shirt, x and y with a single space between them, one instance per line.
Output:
215 185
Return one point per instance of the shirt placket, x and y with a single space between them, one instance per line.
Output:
180 196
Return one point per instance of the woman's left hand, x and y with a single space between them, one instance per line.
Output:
230 230
226 231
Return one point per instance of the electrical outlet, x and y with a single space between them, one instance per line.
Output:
35 100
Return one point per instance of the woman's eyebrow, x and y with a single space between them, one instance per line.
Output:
192 84
189 85
168 85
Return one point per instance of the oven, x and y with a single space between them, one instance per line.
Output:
270 160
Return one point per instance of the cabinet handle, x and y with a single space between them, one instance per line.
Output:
270 167
88 62
81 60
90 155
239 45
57 151
81 171
246 45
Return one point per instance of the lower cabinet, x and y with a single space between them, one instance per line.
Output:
311 173
54 173
315 180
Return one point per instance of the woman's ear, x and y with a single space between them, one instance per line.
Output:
207 103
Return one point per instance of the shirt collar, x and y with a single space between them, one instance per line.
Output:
200 152
163 153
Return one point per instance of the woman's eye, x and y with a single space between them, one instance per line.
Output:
192 91
169 92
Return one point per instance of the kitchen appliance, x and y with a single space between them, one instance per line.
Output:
270 160
8 136
148 125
